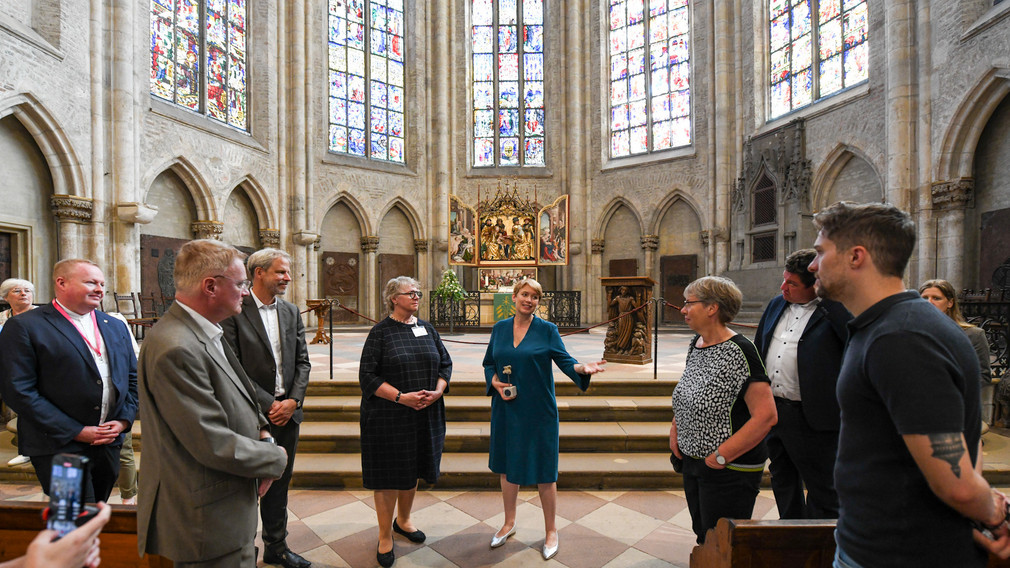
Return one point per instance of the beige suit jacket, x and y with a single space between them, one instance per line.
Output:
202 453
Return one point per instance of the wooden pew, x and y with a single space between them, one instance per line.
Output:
20 522
774 544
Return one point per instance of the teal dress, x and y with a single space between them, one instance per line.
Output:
524 431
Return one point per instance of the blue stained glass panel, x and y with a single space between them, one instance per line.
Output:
509 151
394 21
618 41
636 113
378 43
508 41
620 144
483 39
533 39
831 75
801 19
379 147
356 115
535 151
395 98
855 26
856 66
508 95
396 73
483 95
533 66
355 35
619 117
780 32
781 97
636 62
378 14
396 150
482 12
802 88
507 12
660 81
619 91
338 138
659 56
356 88
660 108
534 94
483 67
779 65
379 96
534 122
338 111
639 140
483 152
378 120
619 66
356 142
829 38
483 123
508 122
636 11
533 11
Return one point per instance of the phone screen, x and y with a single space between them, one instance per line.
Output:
66 492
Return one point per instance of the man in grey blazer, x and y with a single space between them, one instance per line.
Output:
208 453
268 338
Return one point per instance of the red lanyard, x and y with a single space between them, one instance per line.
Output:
94 320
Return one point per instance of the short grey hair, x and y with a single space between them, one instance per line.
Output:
202 258
720 291
264 258
393 288
12 283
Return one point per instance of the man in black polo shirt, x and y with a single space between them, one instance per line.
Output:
909 461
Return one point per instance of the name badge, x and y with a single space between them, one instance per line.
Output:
419 331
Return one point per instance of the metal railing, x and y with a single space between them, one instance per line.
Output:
564 309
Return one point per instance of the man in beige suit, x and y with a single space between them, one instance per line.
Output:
205 441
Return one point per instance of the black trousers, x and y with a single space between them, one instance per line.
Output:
802 458
274 505
103 471
716 493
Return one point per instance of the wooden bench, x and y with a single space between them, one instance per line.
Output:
774 544
20 522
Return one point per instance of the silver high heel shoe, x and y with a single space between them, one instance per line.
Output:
550 551
497 541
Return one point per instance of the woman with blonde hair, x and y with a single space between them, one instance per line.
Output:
941 294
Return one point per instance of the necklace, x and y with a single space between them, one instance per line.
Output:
410 319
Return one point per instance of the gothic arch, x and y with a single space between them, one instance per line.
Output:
664 207
53 142
356 209
829 170
265 213
206 207
608 213
957 152
408 211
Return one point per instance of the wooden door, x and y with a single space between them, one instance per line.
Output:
995 248
339 280
675 273
157 261
6 270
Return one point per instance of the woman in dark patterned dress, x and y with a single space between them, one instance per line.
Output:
722 409
404 372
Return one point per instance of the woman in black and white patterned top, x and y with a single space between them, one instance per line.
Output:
722 409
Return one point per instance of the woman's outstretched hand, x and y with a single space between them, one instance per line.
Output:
591 368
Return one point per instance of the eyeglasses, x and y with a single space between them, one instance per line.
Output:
20 291
689 302
416 294
243 285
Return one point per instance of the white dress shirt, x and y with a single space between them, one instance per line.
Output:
212 329
780 362
84 325
268 313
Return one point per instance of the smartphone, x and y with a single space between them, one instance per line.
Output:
66 493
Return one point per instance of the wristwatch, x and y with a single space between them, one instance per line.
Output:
719 459
397 399
268 439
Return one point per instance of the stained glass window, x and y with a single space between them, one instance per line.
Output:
366 79
199 46
650 76
817 47
507 44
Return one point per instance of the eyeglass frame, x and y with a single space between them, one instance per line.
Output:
689 302
243 285
415 294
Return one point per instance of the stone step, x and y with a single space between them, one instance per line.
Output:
478 408
344 385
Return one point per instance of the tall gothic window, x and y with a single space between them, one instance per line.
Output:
366 78
817 47
507 41
198 57
650 76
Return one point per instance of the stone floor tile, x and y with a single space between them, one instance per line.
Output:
341 522
305 503
633 558
669 543
585 548
441 520
471 547
358 549
424 558
620 523
764 508
301 538
321 557
574 504
529 523
658 505
481 505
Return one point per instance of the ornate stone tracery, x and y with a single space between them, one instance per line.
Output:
71 208
207 229
953 194
270 238
369 244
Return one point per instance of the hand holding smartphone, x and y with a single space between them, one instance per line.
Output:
67 510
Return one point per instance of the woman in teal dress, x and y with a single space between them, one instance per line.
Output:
524 424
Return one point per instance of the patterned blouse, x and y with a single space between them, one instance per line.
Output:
708 402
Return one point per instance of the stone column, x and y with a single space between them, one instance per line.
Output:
650 243
207 229
593 302
724 29
297 155
423 274
901 117
71 212
309 288
125 238
575 154
441 124
370 291
949 200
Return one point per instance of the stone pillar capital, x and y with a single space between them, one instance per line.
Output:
207 229
369 244
953 194
420 245
305 238
650 242
714 235
71 208
598 245
136 213
270 238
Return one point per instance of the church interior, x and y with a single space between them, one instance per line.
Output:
575 141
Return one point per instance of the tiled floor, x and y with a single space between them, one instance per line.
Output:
613 529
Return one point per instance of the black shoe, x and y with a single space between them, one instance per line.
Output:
416 536
385 559
285 558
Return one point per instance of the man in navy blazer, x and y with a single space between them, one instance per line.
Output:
801 339
70 372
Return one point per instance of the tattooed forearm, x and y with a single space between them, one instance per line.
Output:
948 447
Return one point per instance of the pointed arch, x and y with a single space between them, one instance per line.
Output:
265 212
206 206
664 206
408 211
353 204
957 152
608 213
64 165
829 170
